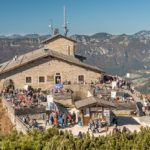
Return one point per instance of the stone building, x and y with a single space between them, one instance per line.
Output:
47 66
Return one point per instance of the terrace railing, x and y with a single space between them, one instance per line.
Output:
62 96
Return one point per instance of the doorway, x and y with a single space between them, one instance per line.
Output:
8 84
58 79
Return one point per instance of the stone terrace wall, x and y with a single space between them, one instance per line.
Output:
32 111
15 120
80 91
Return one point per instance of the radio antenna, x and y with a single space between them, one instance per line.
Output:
65 23
51 27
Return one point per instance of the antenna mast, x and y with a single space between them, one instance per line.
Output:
51 26
65 23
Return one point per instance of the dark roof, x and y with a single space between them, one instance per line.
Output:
39 54
89 101
81 58
56 37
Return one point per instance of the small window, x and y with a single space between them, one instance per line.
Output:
41 79
58 74
28 79
81 78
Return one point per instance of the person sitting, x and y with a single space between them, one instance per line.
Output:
115 130
124 130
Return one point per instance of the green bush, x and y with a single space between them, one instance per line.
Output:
54 139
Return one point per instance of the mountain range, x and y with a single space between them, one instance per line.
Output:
115 54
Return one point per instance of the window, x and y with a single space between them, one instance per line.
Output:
28 79
58 74
81 78
41 79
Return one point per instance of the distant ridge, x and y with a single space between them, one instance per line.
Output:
145 35
19 36
115 54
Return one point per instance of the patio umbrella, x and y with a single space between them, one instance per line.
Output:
58 86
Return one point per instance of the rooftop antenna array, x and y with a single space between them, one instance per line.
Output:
65 23
51 27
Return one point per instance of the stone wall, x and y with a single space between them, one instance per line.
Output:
32 111
48 67
15 120
62 45
20 125
80 91
9 109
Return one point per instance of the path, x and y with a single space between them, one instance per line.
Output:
130 122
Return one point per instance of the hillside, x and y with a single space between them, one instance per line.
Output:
115 54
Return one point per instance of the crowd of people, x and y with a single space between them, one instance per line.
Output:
110 85
117 130
60 119
31 123
24 98
95 125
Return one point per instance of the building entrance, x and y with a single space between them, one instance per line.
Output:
58 79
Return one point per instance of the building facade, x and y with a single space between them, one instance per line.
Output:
43 68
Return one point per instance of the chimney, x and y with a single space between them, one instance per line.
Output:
15 58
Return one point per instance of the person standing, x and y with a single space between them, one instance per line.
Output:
69 118
61 121
51 119
80 135
65 120
47 119
74 118
56 122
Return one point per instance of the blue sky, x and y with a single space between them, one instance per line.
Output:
84 16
